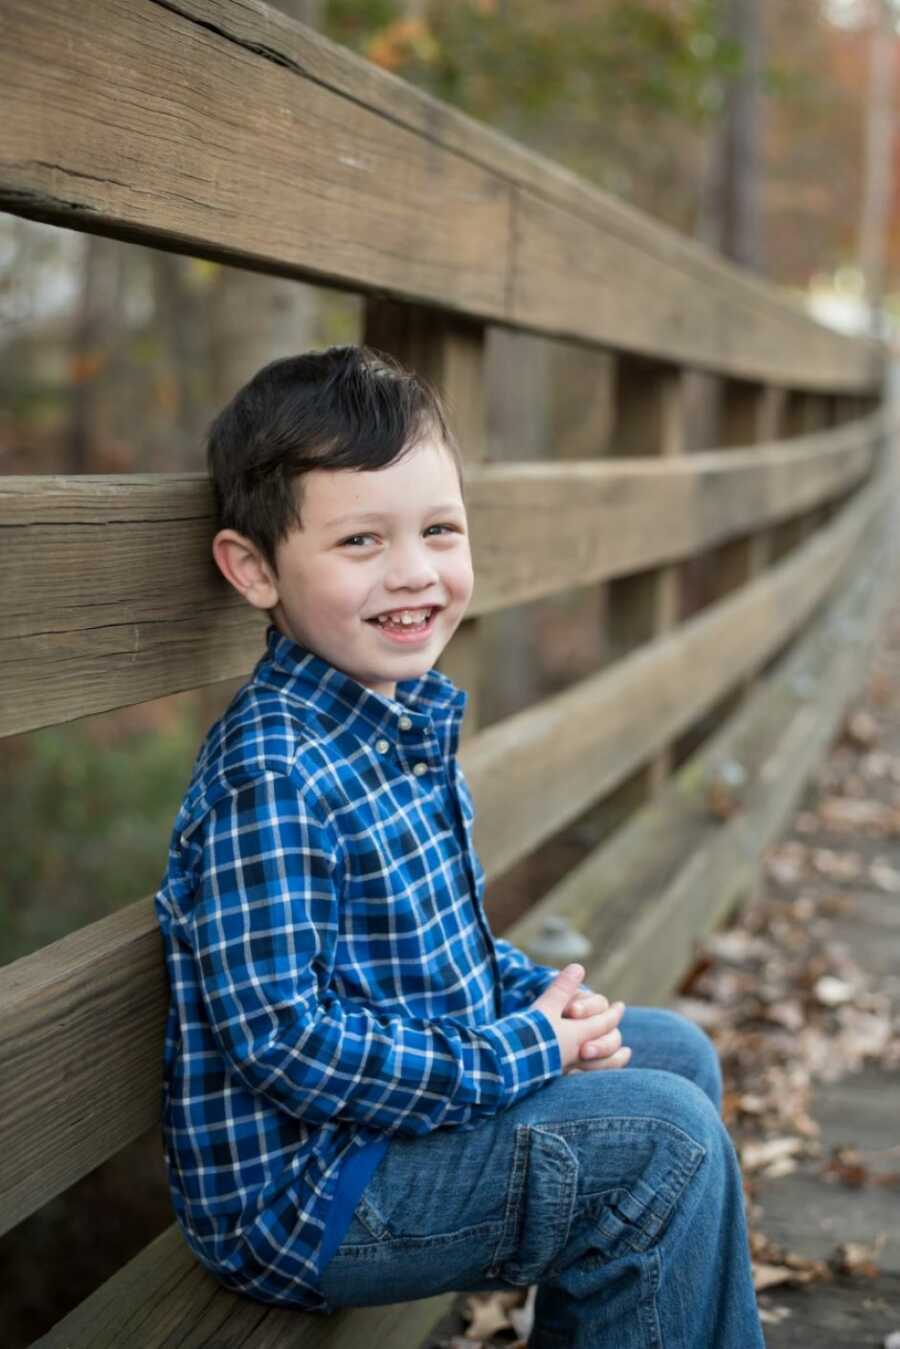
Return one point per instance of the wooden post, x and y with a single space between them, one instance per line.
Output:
748 414
752 414
805 413
649 419
449 352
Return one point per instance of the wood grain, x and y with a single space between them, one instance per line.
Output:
164 1298
81 1042
233 132
675 871
68 1107
539 769
108 587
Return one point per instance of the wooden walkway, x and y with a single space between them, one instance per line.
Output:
803 1211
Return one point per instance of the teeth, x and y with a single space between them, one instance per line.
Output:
407 617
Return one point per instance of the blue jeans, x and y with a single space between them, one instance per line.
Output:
618 1193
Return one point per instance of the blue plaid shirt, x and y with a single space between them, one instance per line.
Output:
333 977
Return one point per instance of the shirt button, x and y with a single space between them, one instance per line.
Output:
382 746
405 724
419 769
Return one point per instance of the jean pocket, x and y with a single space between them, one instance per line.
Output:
540 1205
367 1224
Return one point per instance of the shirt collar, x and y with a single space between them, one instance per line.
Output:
431 700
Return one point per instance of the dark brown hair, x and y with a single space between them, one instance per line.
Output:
345 408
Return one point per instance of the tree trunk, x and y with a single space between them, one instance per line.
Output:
879 159
730 214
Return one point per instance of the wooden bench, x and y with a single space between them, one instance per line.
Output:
783 525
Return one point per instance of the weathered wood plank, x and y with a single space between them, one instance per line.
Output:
623 902
67 1107
537 770
164 1297
218 107
676 870
108 582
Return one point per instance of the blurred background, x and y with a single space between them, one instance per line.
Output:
759 127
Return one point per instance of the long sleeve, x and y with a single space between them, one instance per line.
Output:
521 979
264 929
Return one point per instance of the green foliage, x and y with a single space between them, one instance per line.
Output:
88 824
520 59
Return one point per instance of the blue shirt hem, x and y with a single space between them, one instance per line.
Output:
353 1177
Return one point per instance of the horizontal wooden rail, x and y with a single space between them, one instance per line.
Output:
233 132
69 1107
81 1043
164 1298
676 870
534 772
108 585
654 891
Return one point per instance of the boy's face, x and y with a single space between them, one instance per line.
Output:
377 547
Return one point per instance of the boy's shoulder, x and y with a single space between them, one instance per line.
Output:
298 717
262 733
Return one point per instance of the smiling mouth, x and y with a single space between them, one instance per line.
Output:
405 620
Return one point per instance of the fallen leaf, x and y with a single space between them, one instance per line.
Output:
773 1316
856 1258
767 1276
861 729
845 1166
884 876
845 866
843 814
831 992
489 1312
757 1155
522 1318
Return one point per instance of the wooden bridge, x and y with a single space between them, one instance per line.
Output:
220 129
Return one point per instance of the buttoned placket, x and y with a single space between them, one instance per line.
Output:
421 761
417 746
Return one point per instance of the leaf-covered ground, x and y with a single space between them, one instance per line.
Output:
800 996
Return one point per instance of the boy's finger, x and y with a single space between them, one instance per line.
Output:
619 1059
603 1047
603 1021
587 1003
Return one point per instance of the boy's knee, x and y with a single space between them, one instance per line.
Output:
699 1050
688 1050
686 1106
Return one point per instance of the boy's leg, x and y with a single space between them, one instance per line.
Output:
662 1039
617 1192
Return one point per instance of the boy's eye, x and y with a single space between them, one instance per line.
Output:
356 541
443 529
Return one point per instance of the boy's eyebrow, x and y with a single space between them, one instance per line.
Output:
372 517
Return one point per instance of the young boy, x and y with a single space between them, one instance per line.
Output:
369 1098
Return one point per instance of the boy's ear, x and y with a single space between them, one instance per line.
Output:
243 566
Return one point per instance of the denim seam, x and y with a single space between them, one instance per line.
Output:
363 1252
622 1125
649 1309
505 1246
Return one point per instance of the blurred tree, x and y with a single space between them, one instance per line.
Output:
619 92
730 214
880 140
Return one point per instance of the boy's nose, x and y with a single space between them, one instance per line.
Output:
411 569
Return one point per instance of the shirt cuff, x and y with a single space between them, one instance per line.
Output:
528 1051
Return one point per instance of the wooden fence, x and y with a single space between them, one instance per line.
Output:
221 129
